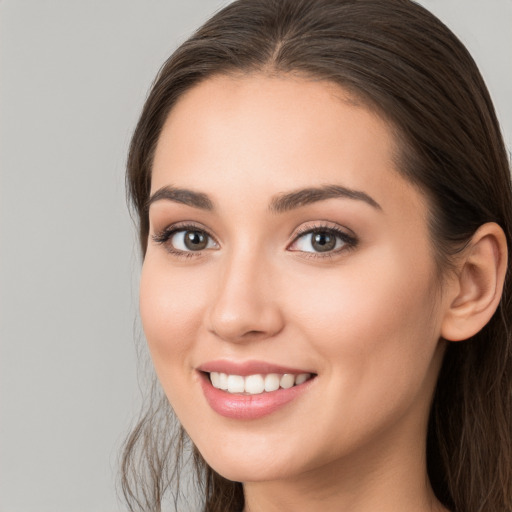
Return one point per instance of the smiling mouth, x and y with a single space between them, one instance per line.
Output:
258 383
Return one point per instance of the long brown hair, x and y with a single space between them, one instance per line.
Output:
404 63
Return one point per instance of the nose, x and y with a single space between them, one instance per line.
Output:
245 306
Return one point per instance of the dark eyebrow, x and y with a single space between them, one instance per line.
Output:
297 198
183 196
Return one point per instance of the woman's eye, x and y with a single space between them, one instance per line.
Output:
322 241
185 240
191 240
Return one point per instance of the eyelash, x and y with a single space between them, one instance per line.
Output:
349 241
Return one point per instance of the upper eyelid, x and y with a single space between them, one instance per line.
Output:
184 226
306 228
169 225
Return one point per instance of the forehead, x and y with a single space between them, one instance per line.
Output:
255 132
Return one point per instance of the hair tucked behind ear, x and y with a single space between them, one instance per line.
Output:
403 62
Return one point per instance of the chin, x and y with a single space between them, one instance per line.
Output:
245 466
246 472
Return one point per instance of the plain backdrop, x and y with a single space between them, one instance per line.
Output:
74 75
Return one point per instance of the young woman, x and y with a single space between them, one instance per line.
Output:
325 208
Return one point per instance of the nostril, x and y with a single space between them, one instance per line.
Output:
255 334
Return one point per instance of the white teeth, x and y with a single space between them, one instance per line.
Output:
271 382
223 381
215 378
287 381
303 377
256 384
236 384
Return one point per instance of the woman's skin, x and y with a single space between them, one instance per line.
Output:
364 318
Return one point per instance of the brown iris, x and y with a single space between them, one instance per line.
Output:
323 241
195 240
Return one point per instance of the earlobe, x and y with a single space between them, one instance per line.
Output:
476 290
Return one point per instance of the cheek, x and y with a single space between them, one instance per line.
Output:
372 328
170 310
373 317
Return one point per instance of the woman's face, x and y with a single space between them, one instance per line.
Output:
285 246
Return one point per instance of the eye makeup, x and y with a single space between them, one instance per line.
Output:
317 240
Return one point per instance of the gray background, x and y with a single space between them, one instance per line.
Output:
74 74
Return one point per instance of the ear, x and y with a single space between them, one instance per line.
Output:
475 292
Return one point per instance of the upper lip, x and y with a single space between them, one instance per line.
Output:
244 368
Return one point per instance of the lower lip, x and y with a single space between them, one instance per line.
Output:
249 407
